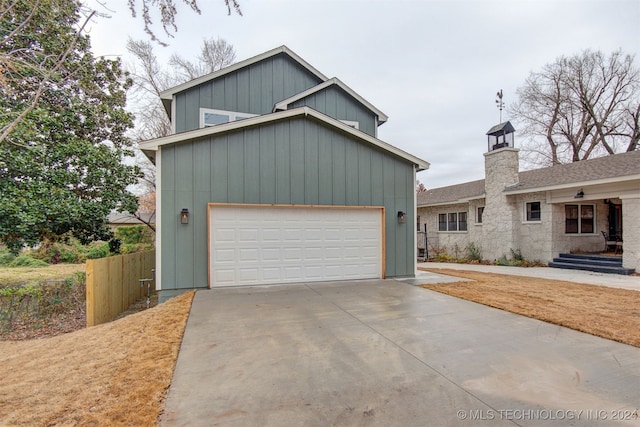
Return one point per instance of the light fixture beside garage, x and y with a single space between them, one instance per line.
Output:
401 217
184 216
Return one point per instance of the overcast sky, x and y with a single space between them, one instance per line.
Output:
433 66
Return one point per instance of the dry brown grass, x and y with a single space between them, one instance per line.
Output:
606 312
112 374
10 275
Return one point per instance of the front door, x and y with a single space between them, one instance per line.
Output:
615 221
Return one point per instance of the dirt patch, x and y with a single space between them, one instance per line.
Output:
112 374
598 310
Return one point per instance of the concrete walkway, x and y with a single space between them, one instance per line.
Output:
385 353
588 277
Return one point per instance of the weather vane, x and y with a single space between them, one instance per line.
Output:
500 103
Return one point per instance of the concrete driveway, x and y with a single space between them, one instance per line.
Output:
384 352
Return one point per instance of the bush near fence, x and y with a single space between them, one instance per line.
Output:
113 284
32 303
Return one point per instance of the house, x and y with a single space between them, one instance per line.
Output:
542 213
274 174
126 219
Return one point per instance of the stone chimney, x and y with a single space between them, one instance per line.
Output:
501 167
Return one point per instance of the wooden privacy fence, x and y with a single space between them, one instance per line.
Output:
113 284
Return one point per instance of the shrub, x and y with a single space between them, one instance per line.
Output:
503 261
27 261
474 253
131 248
6 258
99 250
65 251
135 234
517 255
114 245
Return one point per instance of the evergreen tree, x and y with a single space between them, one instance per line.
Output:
62 165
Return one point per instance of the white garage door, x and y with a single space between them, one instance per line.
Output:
258 245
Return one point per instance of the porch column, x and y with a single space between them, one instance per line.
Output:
631 232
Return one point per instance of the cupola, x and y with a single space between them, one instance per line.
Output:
500 136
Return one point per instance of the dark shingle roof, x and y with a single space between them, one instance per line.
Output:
452 193
601 168
615 166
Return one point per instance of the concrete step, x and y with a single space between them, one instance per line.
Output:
594 257
585 261
591 262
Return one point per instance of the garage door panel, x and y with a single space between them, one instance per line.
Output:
261 245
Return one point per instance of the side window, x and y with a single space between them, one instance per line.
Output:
479 214
533 211
442 222
453 222
462 221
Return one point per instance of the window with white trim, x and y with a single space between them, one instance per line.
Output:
479 213
355 125
579 219
211 117
532 212
452 221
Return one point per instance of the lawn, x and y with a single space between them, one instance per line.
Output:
112 374
598 310
15 275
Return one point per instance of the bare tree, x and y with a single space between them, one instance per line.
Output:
214 55
580 107
150 78
168 12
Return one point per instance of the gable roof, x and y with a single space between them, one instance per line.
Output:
458 193
601 170
167 95
154 144
284 104
616 167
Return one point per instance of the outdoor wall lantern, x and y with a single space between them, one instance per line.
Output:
579 194
184 216
401 217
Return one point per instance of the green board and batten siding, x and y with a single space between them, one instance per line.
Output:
296 161
334 102
258 87
254 89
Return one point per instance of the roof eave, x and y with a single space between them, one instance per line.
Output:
169 93
452 202
284 104
611 180
154 144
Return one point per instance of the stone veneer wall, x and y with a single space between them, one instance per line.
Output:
500 212
533 238
631 233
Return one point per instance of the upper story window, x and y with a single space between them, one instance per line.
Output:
579 219
211 117
355 125
532 212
